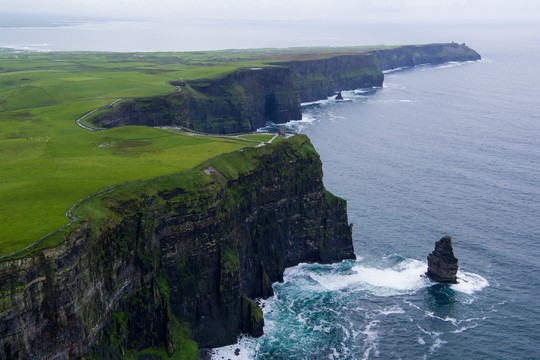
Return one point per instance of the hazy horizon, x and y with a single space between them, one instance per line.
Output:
137 25
368 10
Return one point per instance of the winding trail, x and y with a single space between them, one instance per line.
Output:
86 127
70 213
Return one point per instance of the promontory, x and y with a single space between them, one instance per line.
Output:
129 228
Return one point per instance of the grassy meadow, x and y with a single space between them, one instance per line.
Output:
47 162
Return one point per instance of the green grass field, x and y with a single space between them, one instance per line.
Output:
47 162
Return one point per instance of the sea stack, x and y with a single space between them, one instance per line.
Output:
339 96
442 264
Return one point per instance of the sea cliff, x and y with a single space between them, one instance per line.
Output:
245 99
412 55
317 79
160 266
239 101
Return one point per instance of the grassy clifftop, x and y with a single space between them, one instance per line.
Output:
150 259
48 162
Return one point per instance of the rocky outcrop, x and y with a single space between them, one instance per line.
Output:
173 259
442 264
412 55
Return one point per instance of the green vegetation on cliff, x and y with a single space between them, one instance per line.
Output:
49 163
154 266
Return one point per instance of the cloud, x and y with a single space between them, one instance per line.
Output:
366 10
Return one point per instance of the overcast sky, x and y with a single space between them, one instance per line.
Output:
367 10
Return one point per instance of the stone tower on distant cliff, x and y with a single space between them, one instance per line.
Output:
442 264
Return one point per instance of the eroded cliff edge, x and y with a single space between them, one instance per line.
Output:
174 259
245 99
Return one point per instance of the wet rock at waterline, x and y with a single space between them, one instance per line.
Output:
442 264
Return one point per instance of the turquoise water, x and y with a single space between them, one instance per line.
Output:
451 149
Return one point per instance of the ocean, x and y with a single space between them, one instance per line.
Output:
452 149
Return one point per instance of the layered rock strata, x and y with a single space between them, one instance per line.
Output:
248 98
178 254
412 55
442 264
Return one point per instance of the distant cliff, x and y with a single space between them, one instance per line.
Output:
319 78
173 260
245 99
239 101
412 55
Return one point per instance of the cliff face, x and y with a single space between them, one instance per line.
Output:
412 55
174 254
241 101
256 95
318 79
244 100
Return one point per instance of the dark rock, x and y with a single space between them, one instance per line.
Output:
241 101
412 55
442 264
244 100
182 261
317 79
339 96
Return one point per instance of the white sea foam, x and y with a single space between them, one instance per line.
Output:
298 125
292 125
246 345
370 341
332 116
446 319
436 344
401 278
446 65
469 283
390 310
319 102
405 277
464 328
394 70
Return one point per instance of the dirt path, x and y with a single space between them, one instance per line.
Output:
86 127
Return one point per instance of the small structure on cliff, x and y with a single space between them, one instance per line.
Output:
442 264
339 96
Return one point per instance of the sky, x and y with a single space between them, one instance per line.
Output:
366 10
